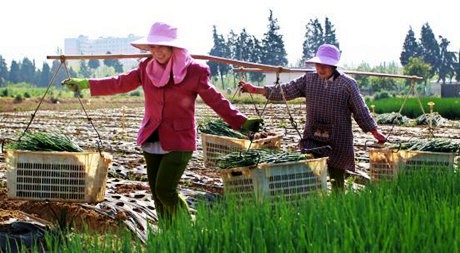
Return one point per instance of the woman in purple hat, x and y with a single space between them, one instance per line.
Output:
171 81
332 99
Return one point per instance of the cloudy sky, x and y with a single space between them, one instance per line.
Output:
367 31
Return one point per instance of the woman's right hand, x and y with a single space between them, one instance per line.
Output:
247 87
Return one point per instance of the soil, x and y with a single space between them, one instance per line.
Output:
54 213
127 191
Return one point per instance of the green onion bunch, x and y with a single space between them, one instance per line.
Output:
253 157
40 141
430 145
220 128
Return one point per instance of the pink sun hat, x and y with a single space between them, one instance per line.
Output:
160 34
326 54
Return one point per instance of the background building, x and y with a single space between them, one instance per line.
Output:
102 45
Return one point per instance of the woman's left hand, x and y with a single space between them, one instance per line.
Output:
379 136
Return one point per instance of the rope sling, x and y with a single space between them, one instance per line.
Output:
291 118
293 123
53 79
411 88
260 114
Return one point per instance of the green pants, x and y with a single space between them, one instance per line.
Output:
164 172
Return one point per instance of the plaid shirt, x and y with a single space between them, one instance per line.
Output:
330 104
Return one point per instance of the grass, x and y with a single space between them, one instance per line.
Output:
419 212
446 107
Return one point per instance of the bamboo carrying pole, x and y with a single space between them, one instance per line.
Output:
245 66
350 72
195 56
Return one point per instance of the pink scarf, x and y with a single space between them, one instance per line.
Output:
178 64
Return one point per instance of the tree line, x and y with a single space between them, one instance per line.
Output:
26 71
269 50
429 56
424 57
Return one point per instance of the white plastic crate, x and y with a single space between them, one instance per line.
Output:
291 180
413 160
387 163
383 163
214 146
57 176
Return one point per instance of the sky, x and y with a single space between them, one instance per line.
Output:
368 31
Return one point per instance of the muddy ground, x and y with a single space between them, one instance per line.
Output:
127 201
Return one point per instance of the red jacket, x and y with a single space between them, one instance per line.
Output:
171 109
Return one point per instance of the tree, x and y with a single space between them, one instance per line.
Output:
15 75
457 68
411 48
3 72
220 49
85 71
45 76
72 72
249 49
61 75
94 64
256 56
273 45
430 49
363 80
245 45
447 61
232 43
118 66
313 39
383 83
115 63
417 67
27 71
329 33
315 36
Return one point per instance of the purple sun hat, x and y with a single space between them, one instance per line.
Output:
160 34
326 54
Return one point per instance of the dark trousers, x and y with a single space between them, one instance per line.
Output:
164 172
337 177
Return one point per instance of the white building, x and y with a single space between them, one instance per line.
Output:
85 46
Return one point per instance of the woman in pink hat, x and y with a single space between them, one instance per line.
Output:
171 81
332 99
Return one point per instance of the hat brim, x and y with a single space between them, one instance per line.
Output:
323 60
145 43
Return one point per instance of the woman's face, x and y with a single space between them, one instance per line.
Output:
324 71
161 54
